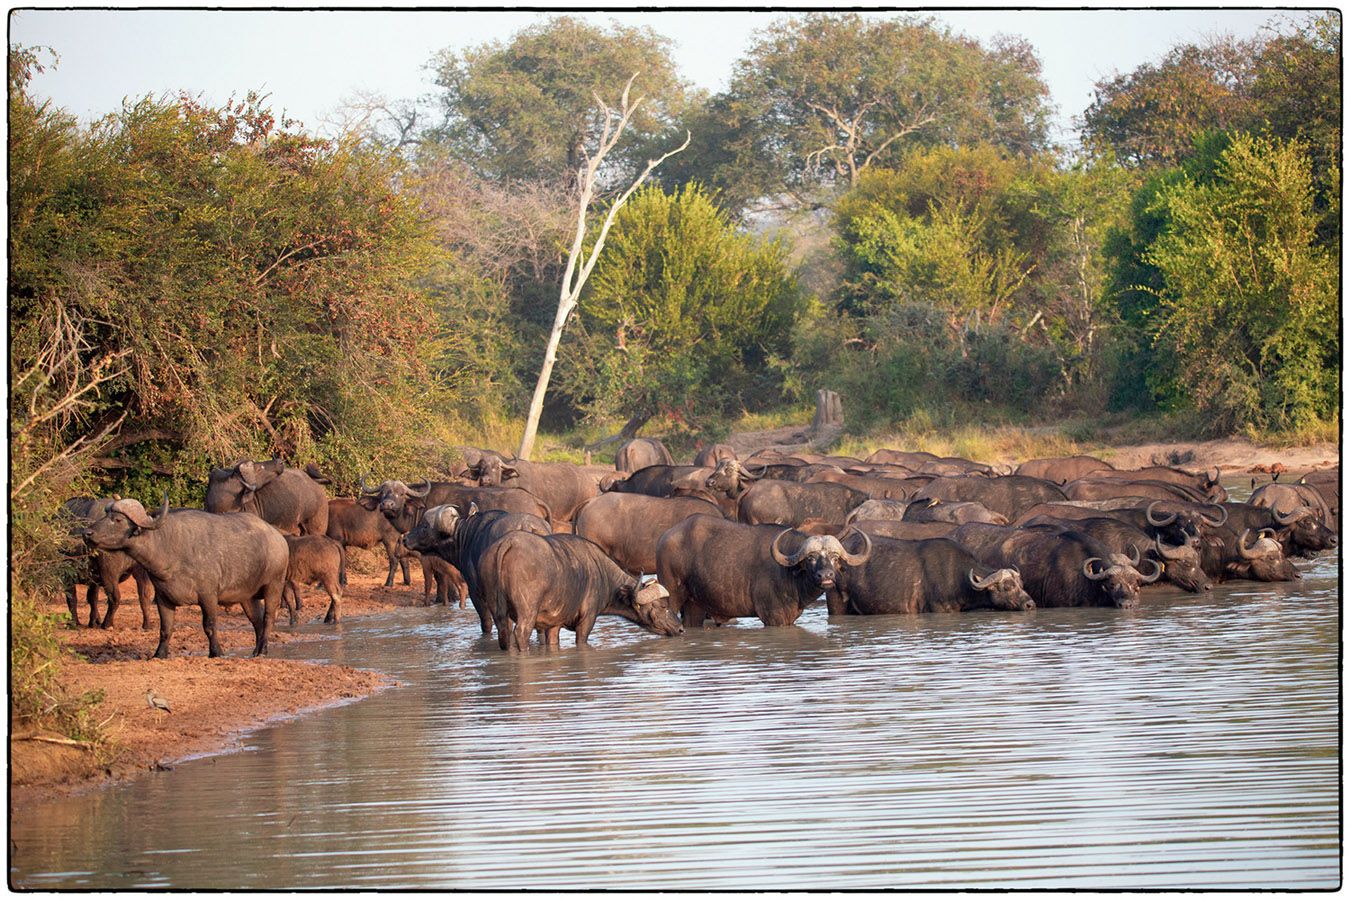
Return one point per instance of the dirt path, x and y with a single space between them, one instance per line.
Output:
213 701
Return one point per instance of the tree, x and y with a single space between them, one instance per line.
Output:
1248 298
516 109
825 97
578 270
682 314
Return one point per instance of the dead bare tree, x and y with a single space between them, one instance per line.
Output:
576 273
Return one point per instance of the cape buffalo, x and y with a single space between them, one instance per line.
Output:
910 459
1302 511
1059 568
640 453
106 569
1253 555
1173 523
924 576
1094 488
960 511
627 526
662 481
722 569
787 503
200 559
878 487
353 525
564 581
1179 564
1298 531
402 504
905 531
563 487
1063 469
710 456
288 498
461 537
313 560
1008 496
1205 486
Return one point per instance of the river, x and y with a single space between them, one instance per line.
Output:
1189 743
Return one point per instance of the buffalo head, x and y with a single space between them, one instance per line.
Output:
1263 559
1119 578
1004 587
821 556
1182 565
649 607
124 520
235 488
732 478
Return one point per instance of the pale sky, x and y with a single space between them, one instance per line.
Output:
310 61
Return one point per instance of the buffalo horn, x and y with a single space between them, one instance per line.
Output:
158 519
365 491
856 559
1087 569
1223 513
749 472
1291 517
1243 549
1167 551
1134 556
1157 572
977 582
778 557
1158 522
426 490
1215 479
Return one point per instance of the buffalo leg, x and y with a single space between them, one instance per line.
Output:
113 594
584 629
407 576
334 595
73 604
393 564
342 563
692 615
505 628
428 578
209 609
268 609
165 629
91 597
145 593
522 630
290 601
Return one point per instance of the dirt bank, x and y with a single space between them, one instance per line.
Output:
213 701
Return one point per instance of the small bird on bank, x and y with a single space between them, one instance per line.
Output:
155 701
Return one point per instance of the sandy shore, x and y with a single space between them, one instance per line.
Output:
213 701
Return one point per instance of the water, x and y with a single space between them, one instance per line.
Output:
1189 743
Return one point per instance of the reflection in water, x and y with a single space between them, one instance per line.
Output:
1190 742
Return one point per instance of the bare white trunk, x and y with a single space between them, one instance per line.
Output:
573 279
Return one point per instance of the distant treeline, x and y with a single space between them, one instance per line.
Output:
872 206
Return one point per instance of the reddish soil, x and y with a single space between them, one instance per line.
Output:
212 701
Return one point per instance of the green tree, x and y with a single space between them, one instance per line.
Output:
824 97
516 109
1248 298
681 314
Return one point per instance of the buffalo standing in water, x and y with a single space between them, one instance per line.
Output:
562 486
200 559
627 526
290 499
721 569
924 576
564 581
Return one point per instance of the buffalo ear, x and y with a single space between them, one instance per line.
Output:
368 502
509 471
473 509
626 595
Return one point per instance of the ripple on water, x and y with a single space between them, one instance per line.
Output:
1192 742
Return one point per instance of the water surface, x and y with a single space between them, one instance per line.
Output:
1189 743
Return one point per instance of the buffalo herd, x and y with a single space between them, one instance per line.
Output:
538 547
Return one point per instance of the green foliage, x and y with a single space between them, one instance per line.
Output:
821 98
1248 304
518 109
681 312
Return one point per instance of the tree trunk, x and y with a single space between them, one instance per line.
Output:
541 386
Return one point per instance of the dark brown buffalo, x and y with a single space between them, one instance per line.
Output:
910 459
722 569
563 487
1059 568
104 569
924 576
905 531
878 487
200 559
1327 483
313 560
879 510
1172 523
960 512
402 504
627 526
462 537
955 465
640 453
1179 564
710 456
1226 552
1205 486
564 581
1008 496
1298 532
1302 510
288 498
353 525
1094 488
1063 469
662 481
787 503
